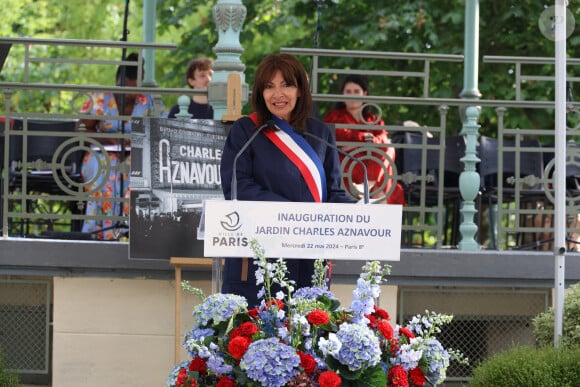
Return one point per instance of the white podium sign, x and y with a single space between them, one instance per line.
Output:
303 230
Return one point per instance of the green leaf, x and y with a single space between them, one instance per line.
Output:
372 377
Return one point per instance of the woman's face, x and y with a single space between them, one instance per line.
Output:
280 97
354 89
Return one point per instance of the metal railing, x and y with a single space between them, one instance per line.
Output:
504 221
58 206
431 213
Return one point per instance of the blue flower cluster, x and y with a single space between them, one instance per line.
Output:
217 308
367 290
363 301
198 334
174 372
409 355
360 346
295 337
437 359
312 293
270 362
217 364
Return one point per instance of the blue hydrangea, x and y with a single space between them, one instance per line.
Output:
410 354
194 349
174 372
199 334
330 346
437 361
270 362
360 347
217 365
217 308
312 293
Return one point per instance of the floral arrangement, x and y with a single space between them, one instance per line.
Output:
303 337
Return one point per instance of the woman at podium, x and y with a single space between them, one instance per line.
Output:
279 153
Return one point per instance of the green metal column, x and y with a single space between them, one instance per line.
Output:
471 51
469 180
149 37
229 16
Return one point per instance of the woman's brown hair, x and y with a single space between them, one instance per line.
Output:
294 74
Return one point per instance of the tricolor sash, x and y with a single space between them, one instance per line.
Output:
301 154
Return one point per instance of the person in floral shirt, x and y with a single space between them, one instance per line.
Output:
111 154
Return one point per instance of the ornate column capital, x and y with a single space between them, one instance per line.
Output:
229 16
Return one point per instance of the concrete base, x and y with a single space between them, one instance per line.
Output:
120 332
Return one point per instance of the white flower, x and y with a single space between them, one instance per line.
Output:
283 333
410 357
331 346
281 314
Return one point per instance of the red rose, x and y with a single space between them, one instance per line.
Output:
238 346
198 364
381 313
192 383
181 377
406 332
398 377
226 382
307 362
386 329
247 329
372 321
417 376
318 317
329 379
253 313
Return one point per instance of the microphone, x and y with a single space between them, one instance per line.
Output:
234 188
366 196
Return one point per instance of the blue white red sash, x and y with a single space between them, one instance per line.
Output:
302 155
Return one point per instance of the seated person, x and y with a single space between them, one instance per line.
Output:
197 76
357 113
112 154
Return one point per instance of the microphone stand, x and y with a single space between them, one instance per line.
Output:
234 183
366 196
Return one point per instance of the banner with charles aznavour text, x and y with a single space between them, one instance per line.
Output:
303 230
175 166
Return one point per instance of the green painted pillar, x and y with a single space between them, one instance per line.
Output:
149 37
469 180
471 51
229 16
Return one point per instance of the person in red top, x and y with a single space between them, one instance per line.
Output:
380 163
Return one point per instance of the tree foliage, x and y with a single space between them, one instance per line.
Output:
421 26
506 29
544 322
